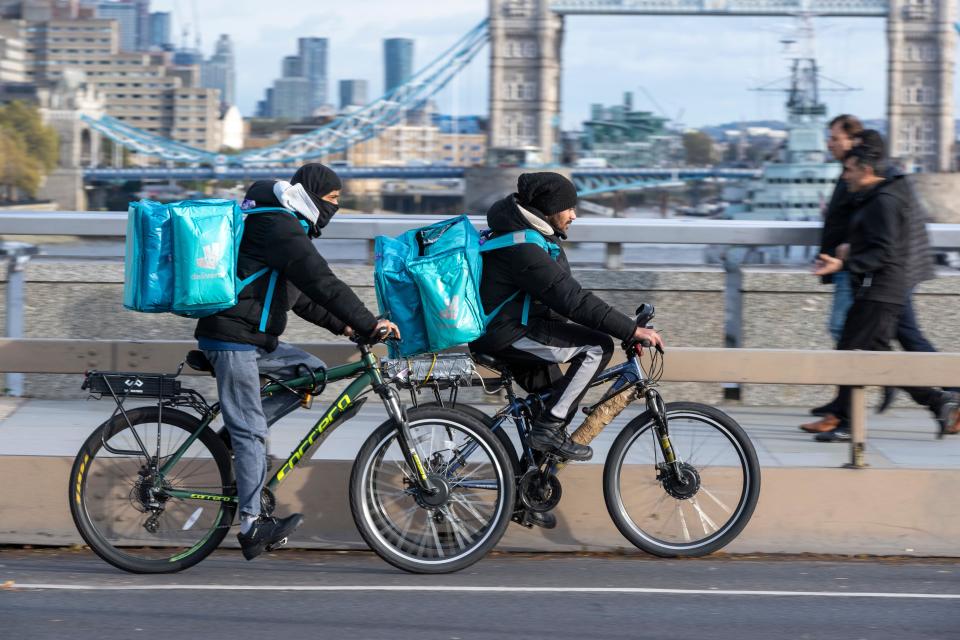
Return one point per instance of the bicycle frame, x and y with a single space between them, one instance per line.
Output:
335 415
627 373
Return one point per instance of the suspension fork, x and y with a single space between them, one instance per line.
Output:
391 400
657 407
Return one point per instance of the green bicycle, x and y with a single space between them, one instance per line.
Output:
152 489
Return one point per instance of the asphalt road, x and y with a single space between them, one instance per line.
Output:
55 593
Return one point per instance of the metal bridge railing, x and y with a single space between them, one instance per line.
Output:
610 231
761 366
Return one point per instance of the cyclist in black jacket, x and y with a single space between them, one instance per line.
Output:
545 203
242 342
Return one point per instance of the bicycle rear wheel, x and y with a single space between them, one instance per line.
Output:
444 532
701 513
120 513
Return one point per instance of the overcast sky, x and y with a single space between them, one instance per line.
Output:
699 68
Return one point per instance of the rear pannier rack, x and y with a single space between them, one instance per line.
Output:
132 385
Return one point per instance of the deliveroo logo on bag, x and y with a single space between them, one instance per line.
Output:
212 254
212 260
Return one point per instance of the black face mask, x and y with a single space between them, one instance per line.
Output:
326 209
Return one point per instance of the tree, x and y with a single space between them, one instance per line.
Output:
29 150
19 172
698 148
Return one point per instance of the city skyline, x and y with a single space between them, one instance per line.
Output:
602 56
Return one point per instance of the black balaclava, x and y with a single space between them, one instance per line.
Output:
318 180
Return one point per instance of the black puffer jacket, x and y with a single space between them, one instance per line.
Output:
530 269
879 243
836 221
306 284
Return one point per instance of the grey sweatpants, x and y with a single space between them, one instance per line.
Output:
246 417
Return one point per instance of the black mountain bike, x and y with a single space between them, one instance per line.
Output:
681 479
152 489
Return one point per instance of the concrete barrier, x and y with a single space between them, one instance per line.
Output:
836 511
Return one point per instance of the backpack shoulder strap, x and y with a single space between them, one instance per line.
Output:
303 223
527 236
274 274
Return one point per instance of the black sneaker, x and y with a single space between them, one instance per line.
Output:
840 434
889 395
948 414
267 534
550 436
544 519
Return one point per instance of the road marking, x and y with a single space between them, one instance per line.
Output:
494 590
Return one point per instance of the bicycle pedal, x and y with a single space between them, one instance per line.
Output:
521 519
276 545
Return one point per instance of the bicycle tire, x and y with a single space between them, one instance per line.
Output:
487 421
741 514
84 500
381 533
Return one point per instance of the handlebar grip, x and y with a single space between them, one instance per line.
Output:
645 343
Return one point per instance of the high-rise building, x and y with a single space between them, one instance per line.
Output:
291 67
397 62
353 93
291 99
13 54
128 21
219 71
160 30
143 24
39 10
313 57
137 88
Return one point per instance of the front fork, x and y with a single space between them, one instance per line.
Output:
391 401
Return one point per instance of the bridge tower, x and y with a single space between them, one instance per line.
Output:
920 82
525 42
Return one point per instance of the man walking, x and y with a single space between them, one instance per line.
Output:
877 263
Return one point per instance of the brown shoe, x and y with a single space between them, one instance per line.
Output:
828 423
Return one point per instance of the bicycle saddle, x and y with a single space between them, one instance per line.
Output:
197 361
488 361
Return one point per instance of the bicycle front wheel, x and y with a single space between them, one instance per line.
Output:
451 529
119 502
704 508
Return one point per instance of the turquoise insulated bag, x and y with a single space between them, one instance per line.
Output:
206 241
148 264
182 257
427 281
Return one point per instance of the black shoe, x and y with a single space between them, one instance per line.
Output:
542 519
267 534
825 409
840 434
550 436
948 414
889 394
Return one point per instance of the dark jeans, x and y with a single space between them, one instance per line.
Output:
534 361
870 326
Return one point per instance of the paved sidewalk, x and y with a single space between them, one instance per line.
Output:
899 439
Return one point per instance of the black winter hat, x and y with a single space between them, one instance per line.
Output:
546 192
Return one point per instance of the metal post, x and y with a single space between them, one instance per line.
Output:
614 259
19 254
858 428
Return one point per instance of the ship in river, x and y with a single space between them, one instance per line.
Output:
798 184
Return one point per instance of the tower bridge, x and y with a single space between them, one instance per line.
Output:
525 38
525 65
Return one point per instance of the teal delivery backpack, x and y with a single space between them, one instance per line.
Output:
182 257
427 281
